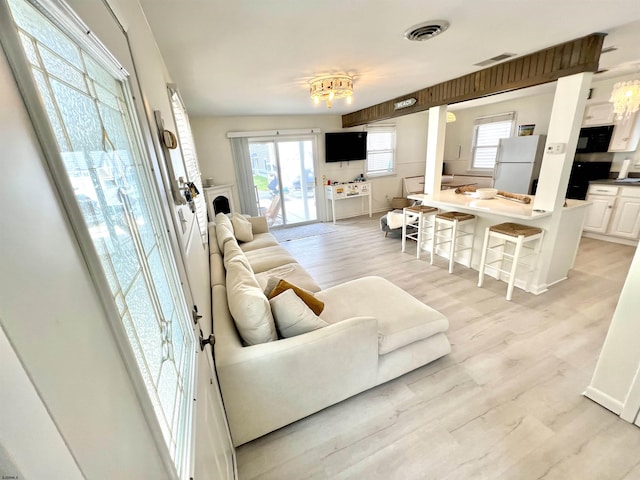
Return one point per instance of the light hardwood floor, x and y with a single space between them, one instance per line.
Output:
507 402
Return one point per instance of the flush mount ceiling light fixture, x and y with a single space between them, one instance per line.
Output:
331 87
426 30
625 98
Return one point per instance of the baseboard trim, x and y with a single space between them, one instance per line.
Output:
608 238
603 399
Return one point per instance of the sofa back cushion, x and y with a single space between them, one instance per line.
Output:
223 219
224 234
233 253
213 239
249 306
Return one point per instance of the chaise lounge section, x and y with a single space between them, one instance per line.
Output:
369 332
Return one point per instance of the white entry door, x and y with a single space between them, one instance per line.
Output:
214 458
92 142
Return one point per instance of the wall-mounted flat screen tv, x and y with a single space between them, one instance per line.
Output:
345 146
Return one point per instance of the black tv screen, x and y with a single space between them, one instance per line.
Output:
345 146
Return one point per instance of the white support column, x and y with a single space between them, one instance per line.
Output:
435 149
564 127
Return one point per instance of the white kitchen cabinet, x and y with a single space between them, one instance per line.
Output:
598 114
614 214
599 213
625 134
626 218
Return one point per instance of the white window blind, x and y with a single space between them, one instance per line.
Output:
188 148
486 137
381 147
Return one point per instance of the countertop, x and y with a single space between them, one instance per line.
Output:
497 206
613 181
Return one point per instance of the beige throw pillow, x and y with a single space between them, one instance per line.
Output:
292 316
275 286
242 227
248 305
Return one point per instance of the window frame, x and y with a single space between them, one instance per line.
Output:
377 129
191 166
477 124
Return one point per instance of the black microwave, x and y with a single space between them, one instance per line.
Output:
594 139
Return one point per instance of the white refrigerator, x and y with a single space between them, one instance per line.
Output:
518 163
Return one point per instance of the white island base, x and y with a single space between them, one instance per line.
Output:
563 230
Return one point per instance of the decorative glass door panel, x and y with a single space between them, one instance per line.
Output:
89 109
284 180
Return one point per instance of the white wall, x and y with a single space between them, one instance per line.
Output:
30 444
457 147
216 162
530 109
214 152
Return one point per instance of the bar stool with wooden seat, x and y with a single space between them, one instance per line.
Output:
447 230
417 224
518 235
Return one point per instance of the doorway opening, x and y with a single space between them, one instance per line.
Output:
284 180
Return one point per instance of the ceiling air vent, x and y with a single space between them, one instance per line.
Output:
426 30
497 58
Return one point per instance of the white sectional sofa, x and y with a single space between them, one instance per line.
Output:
374 332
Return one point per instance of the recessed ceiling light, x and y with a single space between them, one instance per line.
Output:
426 30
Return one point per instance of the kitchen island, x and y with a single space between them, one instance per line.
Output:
563 230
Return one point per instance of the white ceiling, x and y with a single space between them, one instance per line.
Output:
256 57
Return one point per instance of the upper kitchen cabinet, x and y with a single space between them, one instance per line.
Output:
625 134
598 114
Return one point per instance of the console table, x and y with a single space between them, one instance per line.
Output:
343 191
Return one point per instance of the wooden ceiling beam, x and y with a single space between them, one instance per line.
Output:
543 66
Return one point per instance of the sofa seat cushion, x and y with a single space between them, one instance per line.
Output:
267 258
292 273
260 240
402 319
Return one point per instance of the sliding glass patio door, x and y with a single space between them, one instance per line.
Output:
284 179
